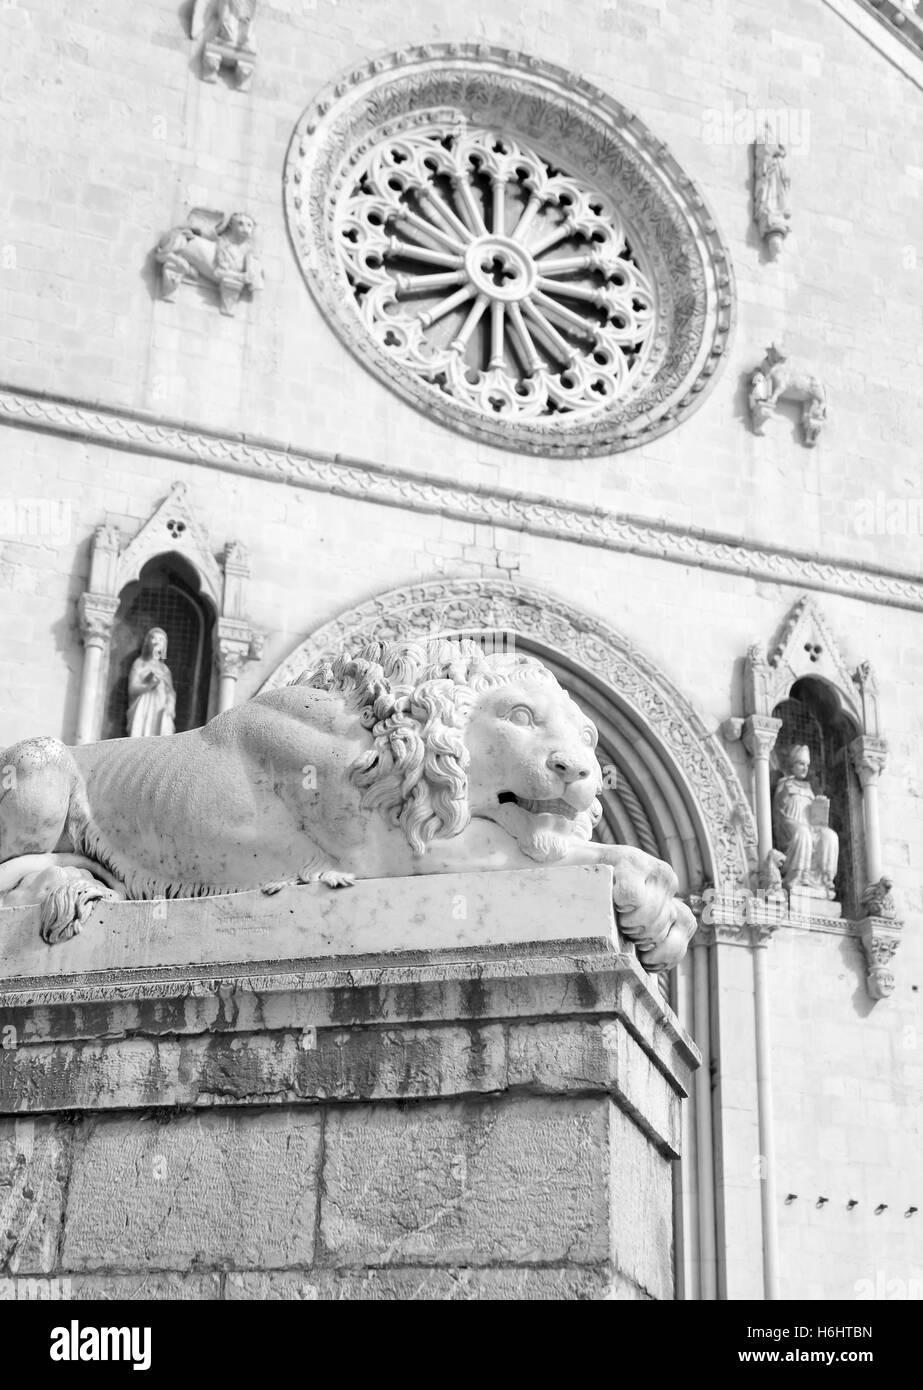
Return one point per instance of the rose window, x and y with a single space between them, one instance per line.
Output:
509 249
501 279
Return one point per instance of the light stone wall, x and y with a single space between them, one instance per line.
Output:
112 135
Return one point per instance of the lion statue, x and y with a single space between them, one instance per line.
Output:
402 759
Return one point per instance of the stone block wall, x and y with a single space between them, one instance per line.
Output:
460 1124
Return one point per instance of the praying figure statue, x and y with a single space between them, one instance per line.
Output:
151 697
800 828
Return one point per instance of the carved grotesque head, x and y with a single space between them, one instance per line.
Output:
776 353
458 734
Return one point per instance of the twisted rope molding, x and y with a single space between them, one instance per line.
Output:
533 513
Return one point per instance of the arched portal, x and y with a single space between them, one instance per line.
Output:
676 795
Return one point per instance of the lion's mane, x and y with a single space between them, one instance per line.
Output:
414 698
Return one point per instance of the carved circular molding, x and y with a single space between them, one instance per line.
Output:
509 248
625 675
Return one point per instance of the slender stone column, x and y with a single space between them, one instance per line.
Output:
229 659
97 614
869 756
759 735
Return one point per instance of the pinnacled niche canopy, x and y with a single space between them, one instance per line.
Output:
509 248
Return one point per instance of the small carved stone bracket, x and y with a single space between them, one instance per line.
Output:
211 248
229 38
880 937
777 379
771 182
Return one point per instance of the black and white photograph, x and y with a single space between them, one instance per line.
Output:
461 698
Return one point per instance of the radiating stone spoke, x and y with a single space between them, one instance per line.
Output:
459 297
396 247
548 333
475 313
444 214
559 314
565 265
470 209
523 339
497 329
413 284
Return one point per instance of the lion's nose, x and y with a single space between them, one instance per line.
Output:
571 769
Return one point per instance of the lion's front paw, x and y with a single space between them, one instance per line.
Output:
333 878
670 951
276 885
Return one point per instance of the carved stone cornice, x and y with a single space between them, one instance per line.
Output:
96 614
869 756
880 937
532 513
760 732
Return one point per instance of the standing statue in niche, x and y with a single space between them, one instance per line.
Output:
771 182
151 697
800 828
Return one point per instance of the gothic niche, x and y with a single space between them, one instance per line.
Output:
509 248
815 798
164 599
812 732
161 599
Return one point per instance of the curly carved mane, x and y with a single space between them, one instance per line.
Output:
414 697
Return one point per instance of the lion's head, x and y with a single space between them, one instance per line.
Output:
459 734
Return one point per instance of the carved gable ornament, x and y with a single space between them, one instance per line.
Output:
806 647
509 248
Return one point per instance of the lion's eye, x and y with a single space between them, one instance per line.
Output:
589 737
520 715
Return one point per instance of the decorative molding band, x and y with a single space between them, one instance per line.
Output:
533 513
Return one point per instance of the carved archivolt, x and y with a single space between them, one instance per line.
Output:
510 248
702 774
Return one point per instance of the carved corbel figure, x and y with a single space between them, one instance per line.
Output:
880 939
212 248
776 379
228 26
771 182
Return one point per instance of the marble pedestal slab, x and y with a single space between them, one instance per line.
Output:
459 1086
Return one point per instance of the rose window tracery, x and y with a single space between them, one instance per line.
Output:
496 276
508 248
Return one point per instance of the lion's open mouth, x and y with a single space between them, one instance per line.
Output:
556 806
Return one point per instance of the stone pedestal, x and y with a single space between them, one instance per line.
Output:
450 1087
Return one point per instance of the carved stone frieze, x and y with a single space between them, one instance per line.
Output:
777 379
533 513
585 295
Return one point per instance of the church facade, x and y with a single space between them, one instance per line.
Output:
600 340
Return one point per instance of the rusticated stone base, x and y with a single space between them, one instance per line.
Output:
465 1122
